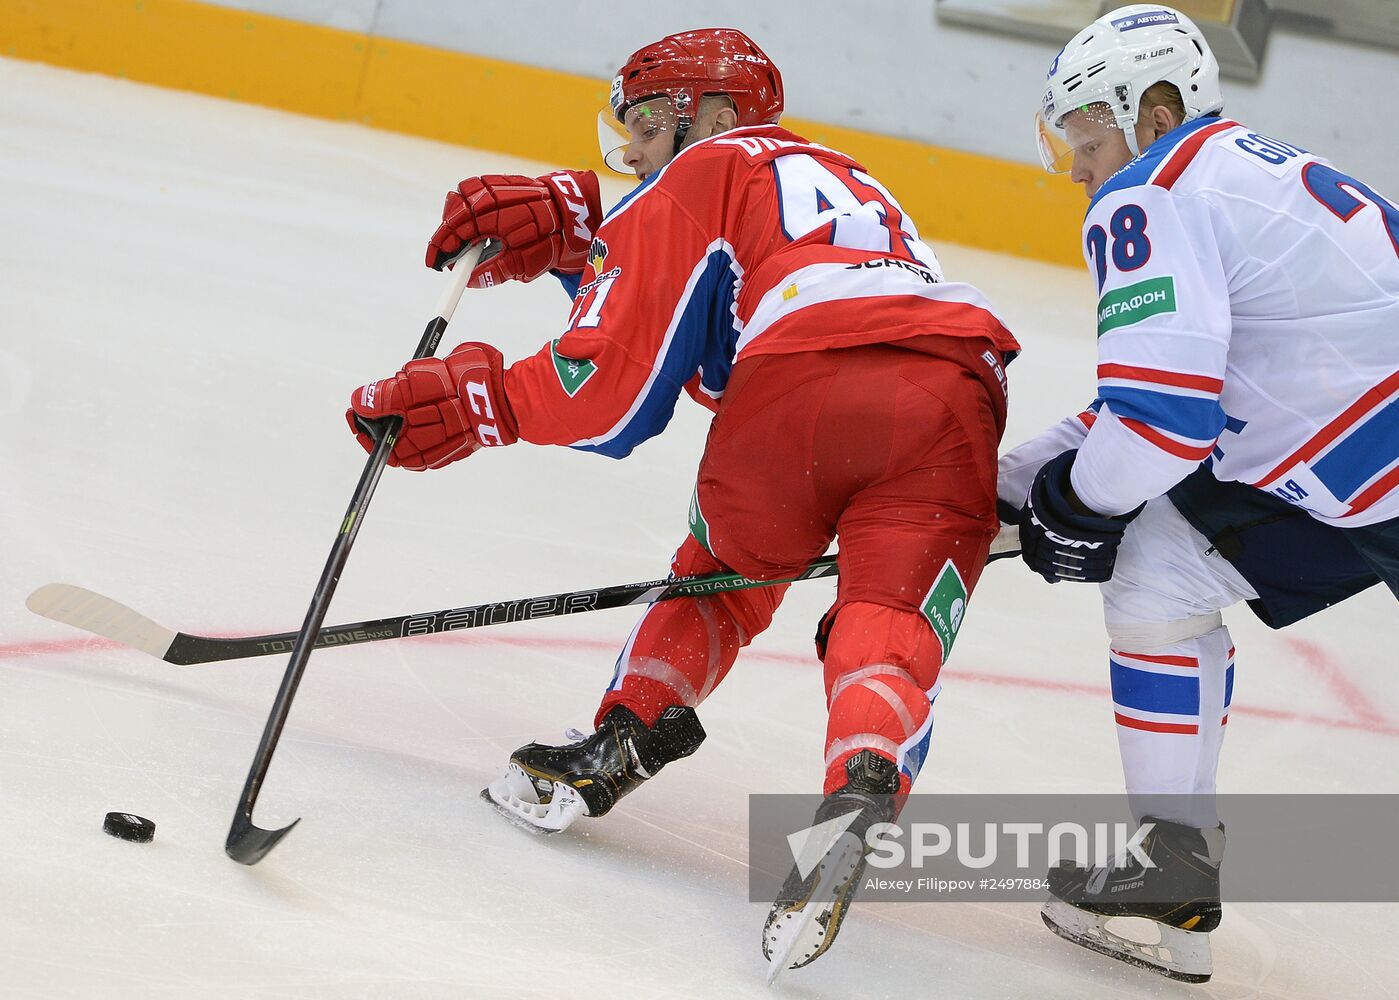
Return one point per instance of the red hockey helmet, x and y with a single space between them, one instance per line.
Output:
690 64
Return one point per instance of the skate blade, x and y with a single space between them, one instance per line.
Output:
1180 955
799 934
514 797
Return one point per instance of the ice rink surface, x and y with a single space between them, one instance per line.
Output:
189 290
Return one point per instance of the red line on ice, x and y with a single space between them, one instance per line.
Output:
15 650
1360 715
1335 677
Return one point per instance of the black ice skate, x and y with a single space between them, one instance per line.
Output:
546 788
1180 896
807 914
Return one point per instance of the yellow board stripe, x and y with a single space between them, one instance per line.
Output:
475 101
192 46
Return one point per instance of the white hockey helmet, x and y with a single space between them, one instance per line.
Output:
1114 61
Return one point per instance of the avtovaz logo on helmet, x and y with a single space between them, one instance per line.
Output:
1149 19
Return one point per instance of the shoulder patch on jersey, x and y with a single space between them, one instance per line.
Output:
1129 306
597 255
573 372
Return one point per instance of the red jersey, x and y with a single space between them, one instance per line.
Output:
751 242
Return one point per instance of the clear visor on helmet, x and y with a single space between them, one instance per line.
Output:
1089 133
650 124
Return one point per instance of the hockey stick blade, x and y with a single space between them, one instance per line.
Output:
247 843
102 616
91 612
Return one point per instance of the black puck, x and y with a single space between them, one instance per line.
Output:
129 827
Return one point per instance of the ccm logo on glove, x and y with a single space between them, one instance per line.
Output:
450 407
575 199
535 225
480 399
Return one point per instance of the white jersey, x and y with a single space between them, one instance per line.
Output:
1249 318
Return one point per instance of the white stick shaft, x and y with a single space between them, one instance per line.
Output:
461 274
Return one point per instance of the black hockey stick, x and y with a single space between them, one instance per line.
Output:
103 616
91 612
248 843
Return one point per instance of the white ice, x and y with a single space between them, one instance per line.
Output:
189 290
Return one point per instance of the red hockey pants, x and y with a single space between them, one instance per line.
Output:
888 448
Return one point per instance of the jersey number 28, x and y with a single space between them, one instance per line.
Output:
1131 247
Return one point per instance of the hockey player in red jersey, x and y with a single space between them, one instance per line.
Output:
858 395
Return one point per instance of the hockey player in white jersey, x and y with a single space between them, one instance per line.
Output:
1248 303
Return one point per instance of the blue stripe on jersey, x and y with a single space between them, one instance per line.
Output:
1229 685
714 373
1232 425
1358 458
1139 171
1167 694
1193 417
631 196
704 337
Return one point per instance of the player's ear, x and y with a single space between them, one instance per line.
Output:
725 119
1164 119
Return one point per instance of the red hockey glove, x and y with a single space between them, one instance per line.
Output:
450 407
541 224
